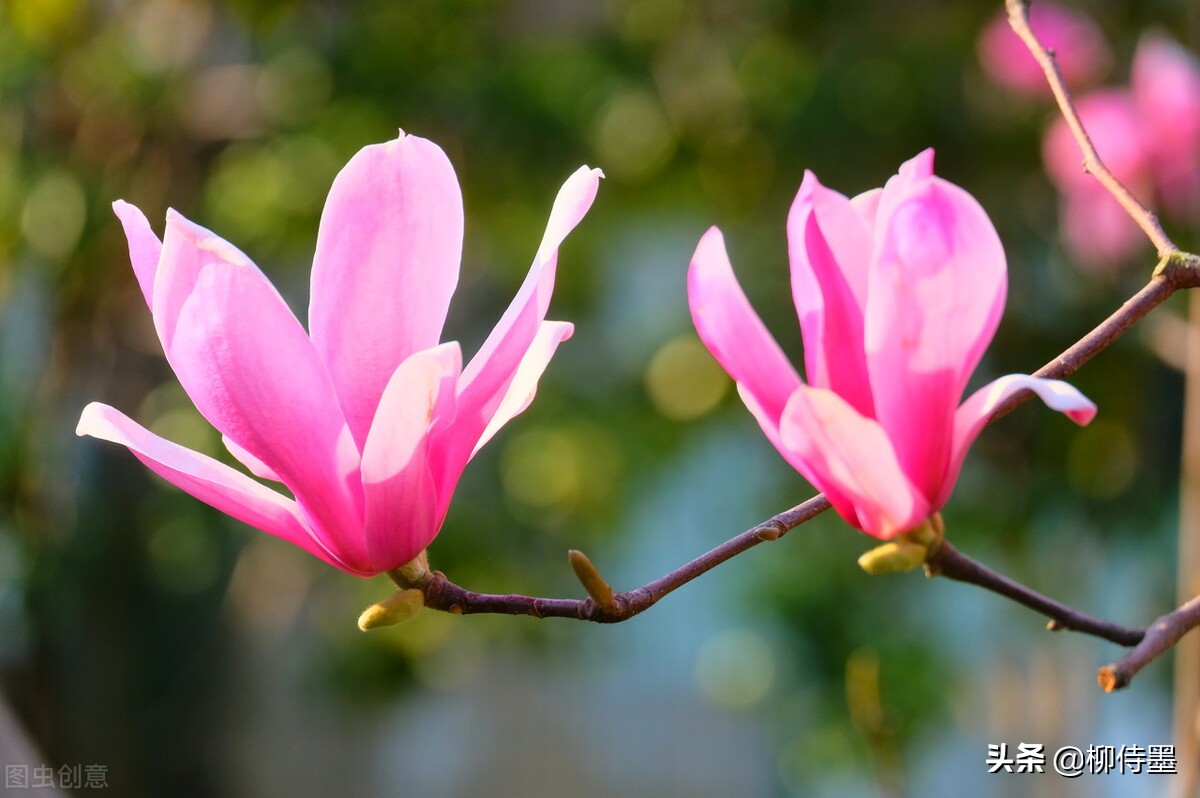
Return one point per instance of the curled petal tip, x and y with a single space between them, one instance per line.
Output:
86 418
712 237
922 163
585 171
1083 415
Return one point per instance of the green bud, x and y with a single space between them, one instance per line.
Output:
402 606
907 551
892 557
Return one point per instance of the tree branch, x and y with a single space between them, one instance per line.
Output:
1018 18
442 594
1159 637
949 562
1173 273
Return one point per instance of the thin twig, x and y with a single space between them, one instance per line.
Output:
1173 274
442 594
949 562
1018 17
1160 636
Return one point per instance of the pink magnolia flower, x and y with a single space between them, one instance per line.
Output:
366 418
1149 138
1094 226
1166 91
898 292
1077 41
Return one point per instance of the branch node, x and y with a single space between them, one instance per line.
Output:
413 574
906 551
771 530
1054 625
590 578
1178 267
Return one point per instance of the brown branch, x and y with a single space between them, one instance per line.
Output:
1018 18
1159 637
442 594
1174 273
949 562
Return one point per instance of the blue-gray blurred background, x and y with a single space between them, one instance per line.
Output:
193 657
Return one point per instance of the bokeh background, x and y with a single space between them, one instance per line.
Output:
193 656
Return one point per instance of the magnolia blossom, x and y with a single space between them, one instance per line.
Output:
1149 138
366 419
1077 41
1166 90
1096 229
898 292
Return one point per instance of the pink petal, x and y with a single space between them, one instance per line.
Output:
913 174
497 359
867 204
386 265
252 372
524 384
486 379
737 338
829 244
851 460
971 418
937 289
256 467
187 249
209 481
1077 41
402 515
144 246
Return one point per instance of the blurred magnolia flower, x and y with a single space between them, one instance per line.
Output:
1077 41
1166 90
1096 229
898 291
1149 138
366 419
